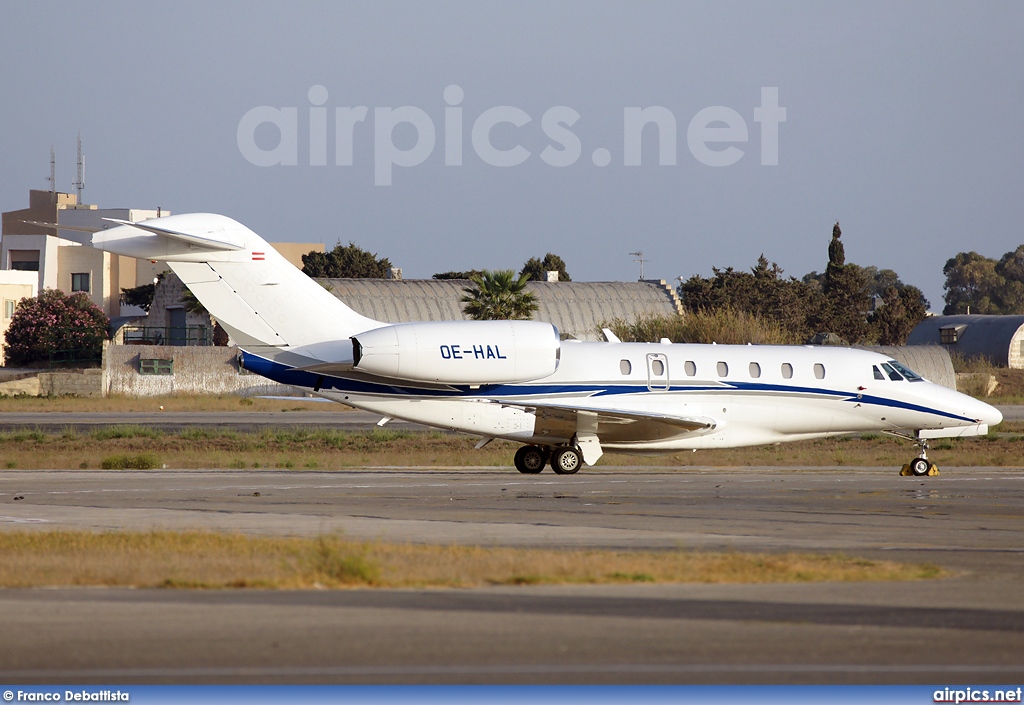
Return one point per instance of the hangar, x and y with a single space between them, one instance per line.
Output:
1000 339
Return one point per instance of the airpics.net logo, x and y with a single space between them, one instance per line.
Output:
715 135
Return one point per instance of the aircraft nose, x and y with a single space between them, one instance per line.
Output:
992 415
985 413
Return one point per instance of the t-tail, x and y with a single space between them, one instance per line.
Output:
261 299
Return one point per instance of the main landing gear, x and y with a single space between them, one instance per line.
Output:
565 460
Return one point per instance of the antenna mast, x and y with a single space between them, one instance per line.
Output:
640 258
53 176
80 183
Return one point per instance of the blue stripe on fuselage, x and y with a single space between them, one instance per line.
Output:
286 374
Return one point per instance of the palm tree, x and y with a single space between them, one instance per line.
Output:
498 296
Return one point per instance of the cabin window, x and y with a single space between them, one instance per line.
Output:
657 368
893 374
787 370
691 368
723 369
755 370
819 370
624 367
878 372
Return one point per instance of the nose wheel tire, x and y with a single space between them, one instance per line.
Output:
566 460
530 460
919 466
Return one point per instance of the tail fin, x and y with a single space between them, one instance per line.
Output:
256 294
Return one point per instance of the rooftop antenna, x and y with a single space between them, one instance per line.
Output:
53 176
80 183
640 258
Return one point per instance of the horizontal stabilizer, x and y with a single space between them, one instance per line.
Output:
206 239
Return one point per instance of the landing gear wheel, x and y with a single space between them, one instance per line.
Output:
530 460
920 466
566 460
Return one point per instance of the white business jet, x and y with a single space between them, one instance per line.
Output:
567 402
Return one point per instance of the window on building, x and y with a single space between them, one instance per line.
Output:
80 282
723 369
9 305
819 370
156 366
950 335
787 370
24 260
625 367
755 370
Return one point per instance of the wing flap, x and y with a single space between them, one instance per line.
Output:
605 416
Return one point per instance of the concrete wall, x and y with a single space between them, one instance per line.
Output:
197 370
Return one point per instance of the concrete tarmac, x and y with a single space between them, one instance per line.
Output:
968 628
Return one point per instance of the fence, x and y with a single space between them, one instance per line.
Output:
176 336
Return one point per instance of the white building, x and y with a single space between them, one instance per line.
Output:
60 261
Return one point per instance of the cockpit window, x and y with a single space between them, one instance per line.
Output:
878 372
906 371
893 374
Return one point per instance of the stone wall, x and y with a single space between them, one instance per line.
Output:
196 370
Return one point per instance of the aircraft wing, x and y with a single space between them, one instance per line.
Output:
613 417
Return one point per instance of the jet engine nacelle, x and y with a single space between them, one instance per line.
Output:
459 352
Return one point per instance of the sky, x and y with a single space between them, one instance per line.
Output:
700 133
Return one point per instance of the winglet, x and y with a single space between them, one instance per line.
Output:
609 336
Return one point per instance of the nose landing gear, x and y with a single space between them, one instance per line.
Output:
920 466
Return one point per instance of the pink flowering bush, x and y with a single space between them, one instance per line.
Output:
55 327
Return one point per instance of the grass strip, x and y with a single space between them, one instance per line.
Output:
333 449
217 561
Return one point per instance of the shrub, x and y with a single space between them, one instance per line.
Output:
55 327
724 326
143 461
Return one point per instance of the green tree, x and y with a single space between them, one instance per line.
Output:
345 262
762 292
458 275
901 309
498 295
537 269
972 282
55 327
836 252
984 285
141 296
847 299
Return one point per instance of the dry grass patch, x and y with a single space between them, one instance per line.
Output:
328 449
173 402
213 560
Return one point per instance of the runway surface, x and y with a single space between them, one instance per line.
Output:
967 628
